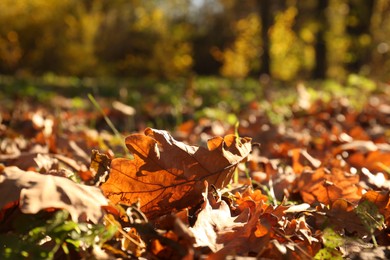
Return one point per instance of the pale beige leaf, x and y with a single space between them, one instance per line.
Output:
36 192
213 223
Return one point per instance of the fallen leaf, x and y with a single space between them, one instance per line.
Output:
326 187
249 198
378 180
363 146
225 235
376 160
380 252
167 175
382 200
213 223
100 167
342 215
36 192
304 207
133 243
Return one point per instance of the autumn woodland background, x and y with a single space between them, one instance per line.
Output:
291 99
288 40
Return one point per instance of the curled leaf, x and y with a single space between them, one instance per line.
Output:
215 224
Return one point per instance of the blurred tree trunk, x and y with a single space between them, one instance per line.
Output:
358 29
380 48
321 65
266 22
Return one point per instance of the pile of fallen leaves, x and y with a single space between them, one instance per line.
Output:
315 186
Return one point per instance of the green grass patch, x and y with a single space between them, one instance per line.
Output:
170 103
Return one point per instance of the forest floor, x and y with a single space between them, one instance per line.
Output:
189 174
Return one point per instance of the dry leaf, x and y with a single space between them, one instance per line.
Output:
382 200
304 207
100 167
167 175
327 187
342 215
213 223
37 192
225 235
251 238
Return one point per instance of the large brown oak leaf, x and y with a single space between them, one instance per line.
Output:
167 175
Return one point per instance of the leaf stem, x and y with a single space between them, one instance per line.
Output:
109 122
236 173
120 230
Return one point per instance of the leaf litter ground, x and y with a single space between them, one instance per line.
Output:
314 186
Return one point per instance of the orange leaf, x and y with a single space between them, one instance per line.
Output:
382 200
341 215
261 230
328 187
167 175
376 159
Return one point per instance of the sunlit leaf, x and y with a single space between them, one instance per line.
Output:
168 175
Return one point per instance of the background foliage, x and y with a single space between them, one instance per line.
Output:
287 40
